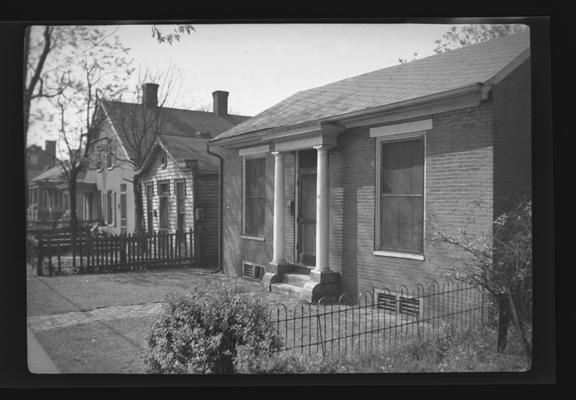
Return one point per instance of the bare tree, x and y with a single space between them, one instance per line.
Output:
500 262
101 70
464 35
140 126
49 54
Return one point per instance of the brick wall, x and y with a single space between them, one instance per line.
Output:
458 195
461 187
512 138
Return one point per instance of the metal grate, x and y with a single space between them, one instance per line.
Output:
399 303
387 301
411 306
253 271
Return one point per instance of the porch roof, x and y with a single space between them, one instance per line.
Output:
446 72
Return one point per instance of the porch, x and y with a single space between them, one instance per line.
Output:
308 275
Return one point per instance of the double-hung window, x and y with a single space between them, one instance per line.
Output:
254 196
164 197
400 195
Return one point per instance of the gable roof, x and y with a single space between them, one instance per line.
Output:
182 148
54 174
127 118
436 74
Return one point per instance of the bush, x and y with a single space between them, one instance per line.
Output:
211 330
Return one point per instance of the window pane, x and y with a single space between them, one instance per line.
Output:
401 223
255 216
402 167
401 195
255 177
254 196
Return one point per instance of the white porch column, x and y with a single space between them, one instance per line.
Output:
278 249
322 210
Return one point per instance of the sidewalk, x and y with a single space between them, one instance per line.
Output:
38 361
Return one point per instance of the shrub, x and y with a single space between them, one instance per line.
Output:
204 331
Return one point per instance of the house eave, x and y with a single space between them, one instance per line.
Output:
468 96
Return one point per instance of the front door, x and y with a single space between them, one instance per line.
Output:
306 217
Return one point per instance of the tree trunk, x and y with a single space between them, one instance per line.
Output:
519 327
73 217
503 322
138 206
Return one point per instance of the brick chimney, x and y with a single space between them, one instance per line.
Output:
220 105
150 94
50 148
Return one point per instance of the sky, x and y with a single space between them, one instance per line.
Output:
262 64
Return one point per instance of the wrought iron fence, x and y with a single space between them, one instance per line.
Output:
381 318
61 254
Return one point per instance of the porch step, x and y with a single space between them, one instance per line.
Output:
295 279
286 289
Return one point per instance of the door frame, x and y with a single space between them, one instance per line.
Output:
297 196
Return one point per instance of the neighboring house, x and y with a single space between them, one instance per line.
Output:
337 188
49 196
180 192
39 160
126 137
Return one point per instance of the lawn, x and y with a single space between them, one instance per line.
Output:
107 344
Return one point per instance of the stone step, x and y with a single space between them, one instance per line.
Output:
295 279
286 289
300 269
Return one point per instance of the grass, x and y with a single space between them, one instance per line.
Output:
117 346
473 351
104 347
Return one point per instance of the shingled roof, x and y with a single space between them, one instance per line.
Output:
129 117
436 74
182 148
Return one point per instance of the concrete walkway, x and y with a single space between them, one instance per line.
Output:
38 361
40 323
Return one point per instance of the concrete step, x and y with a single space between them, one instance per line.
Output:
286 289
295 279
300 269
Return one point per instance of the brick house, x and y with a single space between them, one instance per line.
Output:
128 132
180 192
39 160
336 188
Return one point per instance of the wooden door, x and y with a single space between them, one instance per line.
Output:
307 217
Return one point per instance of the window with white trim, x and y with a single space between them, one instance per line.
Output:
253 196
400 194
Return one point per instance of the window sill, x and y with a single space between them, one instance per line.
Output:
397 254
259 239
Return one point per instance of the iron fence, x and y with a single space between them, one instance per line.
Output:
382 318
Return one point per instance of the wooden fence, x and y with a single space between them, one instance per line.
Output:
60 254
